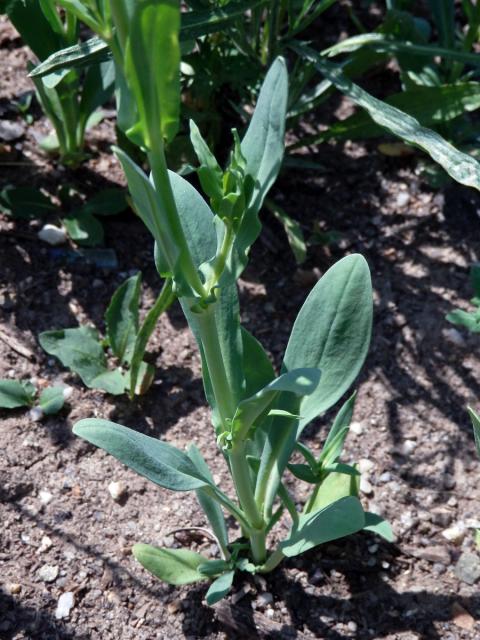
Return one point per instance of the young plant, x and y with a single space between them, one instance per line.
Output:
69 98
82 224
81 349
258 416
469 319
23 393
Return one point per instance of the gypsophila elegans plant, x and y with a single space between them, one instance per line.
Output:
258 416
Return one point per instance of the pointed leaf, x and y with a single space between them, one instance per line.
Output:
220 587
15 394
340 425
263 143
475 418
174 566
301 382
122 318
51 400
334 521
331 333
210 506
158 461
378 525
460 166
334 487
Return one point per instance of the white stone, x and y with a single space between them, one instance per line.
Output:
365 465
52 234
48 573
45 496
36 414
64 605
408 447
356 428
67 392
117 490
365 486
455 533
403 199
45 544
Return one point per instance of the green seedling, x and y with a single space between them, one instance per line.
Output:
82 224
82 350
469 319
71 99
20 393
257 415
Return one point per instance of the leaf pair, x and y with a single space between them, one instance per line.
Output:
81 350
15 394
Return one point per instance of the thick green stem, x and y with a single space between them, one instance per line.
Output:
273 561
226 408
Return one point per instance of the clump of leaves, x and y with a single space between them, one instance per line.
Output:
469 319
257 415
82 350
23 393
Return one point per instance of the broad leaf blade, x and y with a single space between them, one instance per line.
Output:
51 400
376 524
153 65
158 461
332 334
174 566
14 394
220 587
122 318
337 520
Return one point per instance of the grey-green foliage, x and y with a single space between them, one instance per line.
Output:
258 416
469 319
69 98
22 393
81 349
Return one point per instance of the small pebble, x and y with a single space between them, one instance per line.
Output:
64 605
352 626
67 392
385 477
45 496
467 568
45 544
35 414
455 533
365 487
365 465
264 600
356 428
14 588
52 235
117 490
408 447
403 198
48 573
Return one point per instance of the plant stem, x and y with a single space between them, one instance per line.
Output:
226 408
273 561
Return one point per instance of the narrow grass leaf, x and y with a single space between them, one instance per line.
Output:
460 166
